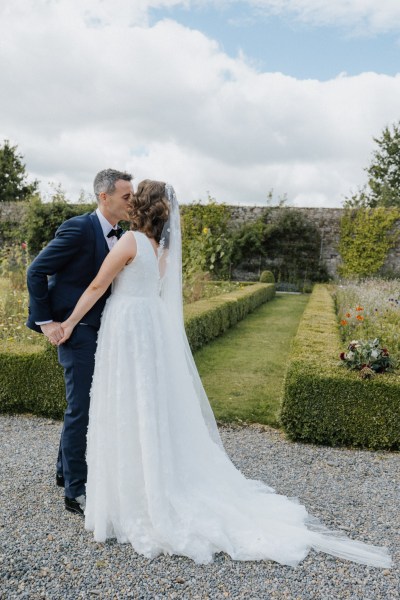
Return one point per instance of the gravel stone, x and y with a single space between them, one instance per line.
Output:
46 553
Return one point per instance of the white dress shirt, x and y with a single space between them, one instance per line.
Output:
106 227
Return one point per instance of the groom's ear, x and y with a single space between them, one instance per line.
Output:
102 196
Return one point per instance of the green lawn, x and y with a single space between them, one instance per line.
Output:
243 371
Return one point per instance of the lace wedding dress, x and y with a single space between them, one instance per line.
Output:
158 476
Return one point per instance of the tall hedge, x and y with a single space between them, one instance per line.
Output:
32 381
324 403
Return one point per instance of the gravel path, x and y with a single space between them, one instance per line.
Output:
46 553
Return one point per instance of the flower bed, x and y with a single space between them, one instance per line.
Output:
370 309
326 404
31 379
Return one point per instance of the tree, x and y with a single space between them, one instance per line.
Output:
383 188
384 172
13 176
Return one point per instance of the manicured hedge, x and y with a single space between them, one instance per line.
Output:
326 404
33 381
207 319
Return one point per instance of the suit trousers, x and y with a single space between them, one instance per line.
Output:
76 357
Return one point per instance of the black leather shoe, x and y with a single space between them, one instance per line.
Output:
76 505
60 480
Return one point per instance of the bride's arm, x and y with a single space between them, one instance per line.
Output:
121 254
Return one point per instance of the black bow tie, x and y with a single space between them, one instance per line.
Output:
117 232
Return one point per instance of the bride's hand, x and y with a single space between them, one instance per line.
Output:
67 329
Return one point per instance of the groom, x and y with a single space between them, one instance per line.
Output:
56 279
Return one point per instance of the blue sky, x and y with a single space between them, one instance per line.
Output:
284 44
231 97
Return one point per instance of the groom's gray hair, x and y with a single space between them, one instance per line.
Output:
105 181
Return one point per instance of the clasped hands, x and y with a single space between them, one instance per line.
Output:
57 333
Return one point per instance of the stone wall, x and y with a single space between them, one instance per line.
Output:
326 219
12 211
11 215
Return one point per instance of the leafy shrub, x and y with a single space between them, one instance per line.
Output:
325 404
267 277
32 380
206 239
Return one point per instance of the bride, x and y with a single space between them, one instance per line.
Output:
158 475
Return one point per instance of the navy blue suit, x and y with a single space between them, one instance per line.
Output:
56 279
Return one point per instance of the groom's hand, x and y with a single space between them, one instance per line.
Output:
53 331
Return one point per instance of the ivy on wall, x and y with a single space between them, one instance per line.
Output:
366 236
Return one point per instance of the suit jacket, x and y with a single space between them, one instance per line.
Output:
64 268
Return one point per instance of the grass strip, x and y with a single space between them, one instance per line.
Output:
243 371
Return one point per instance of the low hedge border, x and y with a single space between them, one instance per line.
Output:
33 381
208 319
326 404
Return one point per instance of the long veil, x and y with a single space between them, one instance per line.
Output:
170 265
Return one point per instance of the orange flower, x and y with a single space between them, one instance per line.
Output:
359 308
348 315
343 322
360 318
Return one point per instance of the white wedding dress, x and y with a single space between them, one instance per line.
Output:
156 477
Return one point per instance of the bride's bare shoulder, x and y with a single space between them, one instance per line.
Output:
127 243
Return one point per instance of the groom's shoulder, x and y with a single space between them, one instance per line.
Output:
82 222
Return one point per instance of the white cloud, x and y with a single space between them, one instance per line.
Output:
166 102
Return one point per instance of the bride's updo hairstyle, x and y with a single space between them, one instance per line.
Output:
149 208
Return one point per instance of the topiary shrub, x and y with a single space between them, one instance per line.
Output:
326 404
307 287
267 277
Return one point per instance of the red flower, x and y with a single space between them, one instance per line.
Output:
24 245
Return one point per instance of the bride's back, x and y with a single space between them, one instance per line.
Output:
140 278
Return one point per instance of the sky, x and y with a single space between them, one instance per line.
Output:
226 98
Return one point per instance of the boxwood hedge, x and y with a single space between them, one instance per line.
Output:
323 402
32 380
